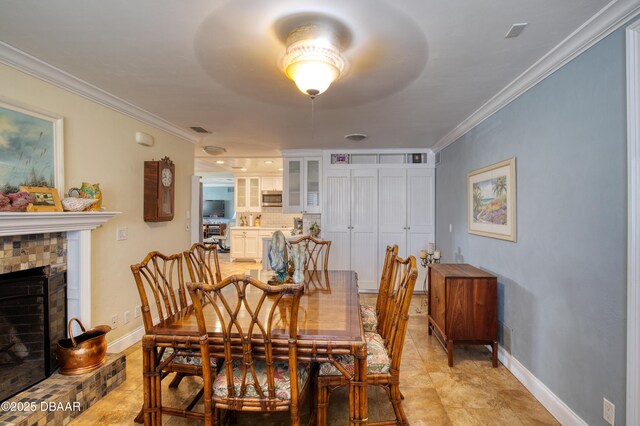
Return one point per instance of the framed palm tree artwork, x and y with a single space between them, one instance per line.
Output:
491 198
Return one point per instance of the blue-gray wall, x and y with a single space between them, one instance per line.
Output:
562 296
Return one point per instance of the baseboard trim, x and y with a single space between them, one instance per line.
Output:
123 342
539 390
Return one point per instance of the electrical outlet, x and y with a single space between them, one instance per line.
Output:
450 227
122 234
114 321
137 311
127 317
608 411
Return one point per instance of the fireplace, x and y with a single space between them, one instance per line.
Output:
33 317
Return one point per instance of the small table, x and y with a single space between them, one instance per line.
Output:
329 324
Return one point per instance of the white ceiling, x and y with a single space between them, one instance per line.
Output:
417 68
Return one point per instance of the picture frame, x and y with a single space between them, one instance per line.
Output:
31 145
47 199
491 200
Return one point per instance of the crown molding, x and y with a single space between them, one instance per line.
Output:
35 67
603 23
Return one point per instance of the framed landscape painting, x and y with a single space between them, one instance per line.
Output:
31 150
491 198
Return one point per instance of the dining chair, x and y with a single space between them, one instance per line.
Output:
317 252
161 276
254 376
372 316
383 353
202 263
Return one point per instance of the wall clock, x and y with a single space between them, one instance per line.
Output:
159 190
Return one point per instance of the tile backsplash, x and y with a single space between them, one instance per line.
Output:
21 252
273 216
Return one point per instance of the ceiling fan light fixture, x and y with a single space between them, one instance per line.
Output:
312 60
213 150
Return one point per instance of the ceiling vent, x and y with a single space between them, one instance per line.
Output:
356 137
516 30
199 129
213 150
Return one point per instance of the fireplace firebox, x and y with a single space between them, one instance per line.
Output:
33 317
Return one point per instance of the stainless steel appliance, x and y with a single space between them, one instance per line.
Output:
271 198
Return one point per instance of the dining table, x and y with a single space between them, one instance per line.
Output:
329 324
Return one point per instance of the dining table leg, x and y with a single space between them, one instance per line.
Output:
358 409
150 383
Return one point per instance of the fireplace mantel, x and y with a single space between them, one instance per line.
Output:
23 223
78 227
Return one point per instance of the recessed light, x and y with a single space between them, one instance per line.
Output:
244 169
280 169
356 137
268 162
219 162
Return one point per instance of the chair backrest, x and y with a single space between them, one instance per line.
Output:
161 275
317 253
202 263
398 312
385 287
246 311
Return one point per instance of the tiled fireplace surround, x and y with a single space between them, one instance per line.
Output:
31 240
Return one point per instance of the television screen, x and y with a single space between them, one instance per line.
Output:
213 208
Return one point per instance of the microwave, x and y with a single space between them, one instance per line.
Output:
271 199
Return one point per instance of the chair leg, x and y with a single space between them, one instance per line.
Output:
176 380
140 417
322 400
396 402
195 399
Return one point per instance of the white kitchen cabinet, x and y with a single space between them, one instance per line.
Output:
350 222
245 244
302 186
247 195
406 212
271 183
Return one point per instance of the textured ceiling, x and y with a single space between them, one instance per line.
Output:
417 68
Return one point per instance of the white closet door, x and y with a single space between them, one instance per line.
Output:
392 212
364 227
336 219
420 214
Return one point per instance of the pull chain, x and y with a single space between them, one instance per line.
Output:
313 127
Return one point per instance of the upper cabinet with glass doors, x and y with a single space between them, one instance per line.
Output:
302 185
247 195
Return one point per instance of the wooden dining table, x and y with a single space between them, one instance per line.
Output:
329 324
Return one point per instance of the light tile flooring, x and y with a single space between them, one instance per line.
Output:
470 393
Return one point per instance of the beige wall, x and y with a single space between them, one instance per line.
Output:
99 146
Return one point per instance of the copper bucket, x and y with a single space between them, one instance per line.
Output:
84 353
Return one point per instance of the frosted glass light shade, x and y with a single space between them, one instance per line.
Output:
312 63
312 76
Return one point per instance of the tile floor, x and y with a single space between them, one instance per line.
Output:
470 393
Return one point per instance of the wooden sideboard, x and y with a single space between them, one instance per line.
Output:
463 307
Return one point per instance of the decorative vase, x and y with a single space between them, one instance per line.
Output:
93 192
299 255
276 256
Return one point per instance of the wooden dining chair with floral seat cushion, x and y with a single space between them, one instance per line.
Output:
374 315
383 354
317 253
202 263
253 377
160 282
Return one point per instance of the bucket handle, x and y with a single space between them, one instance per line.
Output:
73 341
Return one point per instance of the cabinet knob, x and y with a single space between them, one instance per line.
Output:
408 227
437 299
